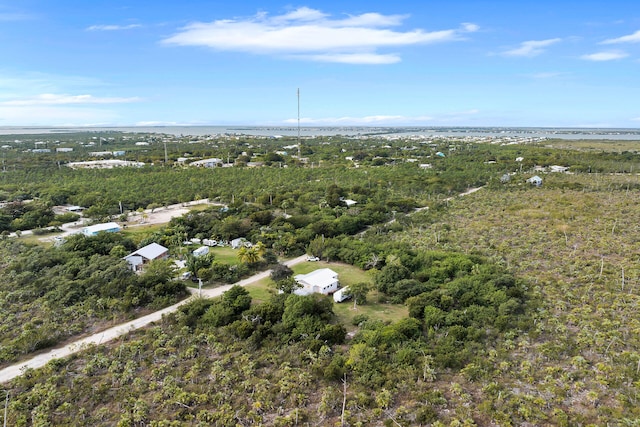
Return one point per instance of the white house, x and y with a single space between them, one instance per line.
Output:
145 255
558 169
109 227
207 163
535 180
322 281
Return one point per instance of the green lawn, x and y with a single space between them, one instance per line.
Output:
225 255
372 309
140 232
348 274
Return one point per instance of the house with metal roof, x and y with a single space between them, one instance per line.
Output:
322 281
138 259
108 227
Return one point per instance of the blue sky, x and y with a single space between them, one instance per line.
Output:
371 63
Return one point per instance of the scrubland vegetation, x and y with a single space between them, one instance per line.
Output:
521 301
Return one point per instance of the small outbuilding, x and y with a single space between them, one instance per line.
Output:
239 242
201 251
341 294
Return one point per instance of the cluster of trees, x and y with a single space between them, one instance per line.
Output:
463 301
32 215
229 362
539 329
50 294
285 234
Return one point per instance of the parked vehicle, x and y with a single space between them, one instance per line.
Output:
341 294
312 258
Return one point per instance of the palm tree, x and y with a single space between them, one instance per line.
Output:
248 255
253 254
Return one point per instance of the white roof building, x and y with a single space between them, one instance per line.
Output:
322 281
145 255
207 163
109 227
103 164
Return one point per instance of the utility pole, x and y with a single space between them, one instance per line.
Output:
6 405
166 159
299 157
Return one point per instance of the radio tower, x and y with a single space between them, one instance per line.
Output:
299 157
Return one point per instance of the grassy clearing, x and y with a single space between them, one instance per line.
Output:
348 274
42 239
225 255
372 309
261 291
139 233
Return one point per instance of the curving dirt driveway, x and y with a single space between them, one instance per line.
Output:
13 371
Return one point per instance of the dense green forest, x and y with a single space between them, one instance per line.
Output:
522 300
50 294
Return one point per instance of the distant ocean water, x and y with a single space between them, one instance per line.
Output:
532 132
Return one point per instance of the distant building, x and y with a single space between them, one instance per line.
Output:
104 164
535 180
207 163
239 242
109 227
201 251
64 149
100 154
558 169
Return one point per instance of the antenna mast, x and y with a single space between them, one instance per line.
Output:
299 157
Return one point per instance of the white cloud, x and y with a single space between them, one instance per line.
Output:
57 99
604 56
310 34
469 27
47 115
35 98
113 27
355 58
531 48
631 38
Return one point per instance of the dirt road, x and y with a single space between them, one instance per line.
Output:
13 371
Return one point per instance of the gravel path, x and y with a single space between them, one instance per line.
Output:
13 371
